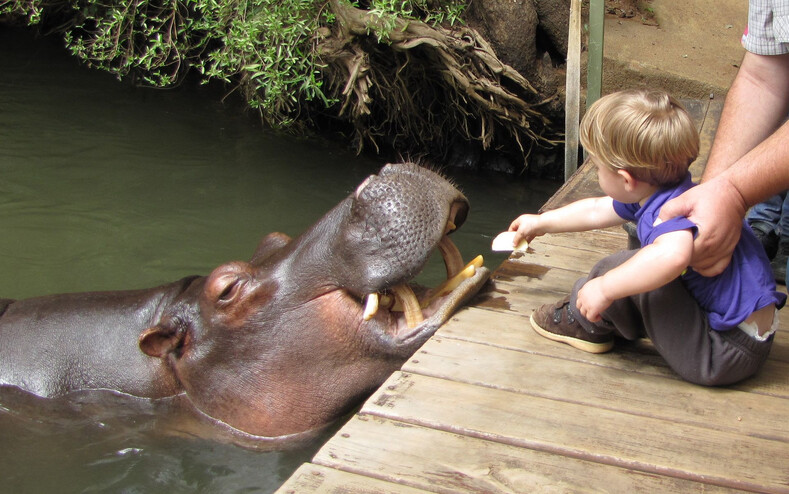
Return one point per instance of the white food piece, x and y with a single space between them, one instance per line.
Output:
505 242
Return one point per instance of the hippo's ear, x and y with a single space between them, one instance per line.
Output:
160 340
270 244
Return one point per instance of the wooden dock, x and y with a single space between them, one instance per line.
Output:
487 405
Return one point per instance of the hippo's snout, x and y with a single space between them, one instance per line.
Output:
410 211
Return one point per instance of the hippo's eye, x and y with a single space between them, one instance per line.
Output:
229 292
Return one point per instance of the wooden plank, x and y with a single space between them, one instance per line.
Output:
548 270
697 109
523 278
501 298
514 332
445 462
523 301
721 409
515 298
559 256
582 184
599 242
610 437
518 297
574 253
523 297
521 288
315 478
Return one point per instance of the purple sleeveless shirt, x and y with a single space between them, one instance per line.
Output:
745 286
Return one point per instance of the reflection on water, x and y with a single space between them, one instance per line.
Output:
108 187
98 177
111 443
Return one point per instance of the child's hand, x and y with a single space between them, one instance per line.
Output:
591 300
527 227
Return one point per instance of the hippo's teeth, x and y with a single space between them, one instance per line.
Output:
371 307
387 301
452 258
449 285
445 288
413 313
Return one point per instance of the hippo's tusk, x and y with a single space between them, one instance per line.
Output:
452 258
449 285
404 298
371 307
413 313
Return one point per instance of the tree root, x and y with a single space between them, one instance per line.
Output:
427 84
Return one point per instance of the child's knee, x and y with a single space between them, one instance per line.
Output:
720 375
608 263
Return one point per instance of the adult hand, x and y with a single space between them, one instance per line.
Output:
718 209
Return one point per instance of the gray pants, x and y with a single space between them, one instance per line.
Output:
679 329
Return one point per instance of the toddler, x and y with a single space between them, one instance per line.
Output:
711 330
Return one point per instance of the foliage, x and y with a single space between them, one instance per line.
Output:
266 47
408 74
389 12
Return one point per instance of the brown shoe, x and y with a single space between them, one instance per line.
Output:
554 322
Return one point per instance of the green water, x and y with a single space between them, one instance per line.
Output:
105 187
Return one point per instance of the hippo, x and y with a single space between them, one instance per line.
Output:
273 348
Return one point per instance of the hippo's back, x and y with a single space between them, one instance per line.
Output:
59 343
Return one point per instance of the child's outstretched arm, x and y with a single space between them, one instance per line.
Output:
652 267
578 216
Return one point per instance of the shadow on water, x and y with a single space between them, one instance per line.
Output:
107 187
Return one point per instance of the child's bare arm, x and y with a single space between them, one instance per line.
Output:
652 267
578 216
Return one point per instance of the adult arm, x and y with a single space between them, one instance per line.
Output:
756 105
651 267
748 163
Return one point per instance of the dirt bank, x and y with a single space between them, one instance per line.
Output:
690 48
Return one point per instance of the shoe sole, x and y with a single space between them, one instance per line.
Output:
586 346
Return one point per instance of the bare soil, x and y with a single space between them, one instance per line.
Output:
690 48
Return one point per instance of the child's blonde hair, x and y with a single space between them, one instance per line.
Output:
645 132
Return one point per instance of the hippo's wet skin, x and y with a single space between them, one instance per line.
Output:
278 346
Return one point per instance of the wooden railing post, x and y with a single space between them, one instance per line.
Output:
594 75
594 68
572 92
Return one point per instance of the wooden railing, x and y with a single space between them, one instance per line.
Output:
594 75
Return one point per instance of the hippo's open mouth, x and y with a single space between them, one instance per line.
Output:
396 219
402 298
411 308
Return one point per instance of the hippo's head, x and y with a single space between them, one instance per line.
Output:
293 339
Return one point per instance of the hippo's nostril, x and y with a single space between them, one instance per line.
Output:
458 212
362 186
